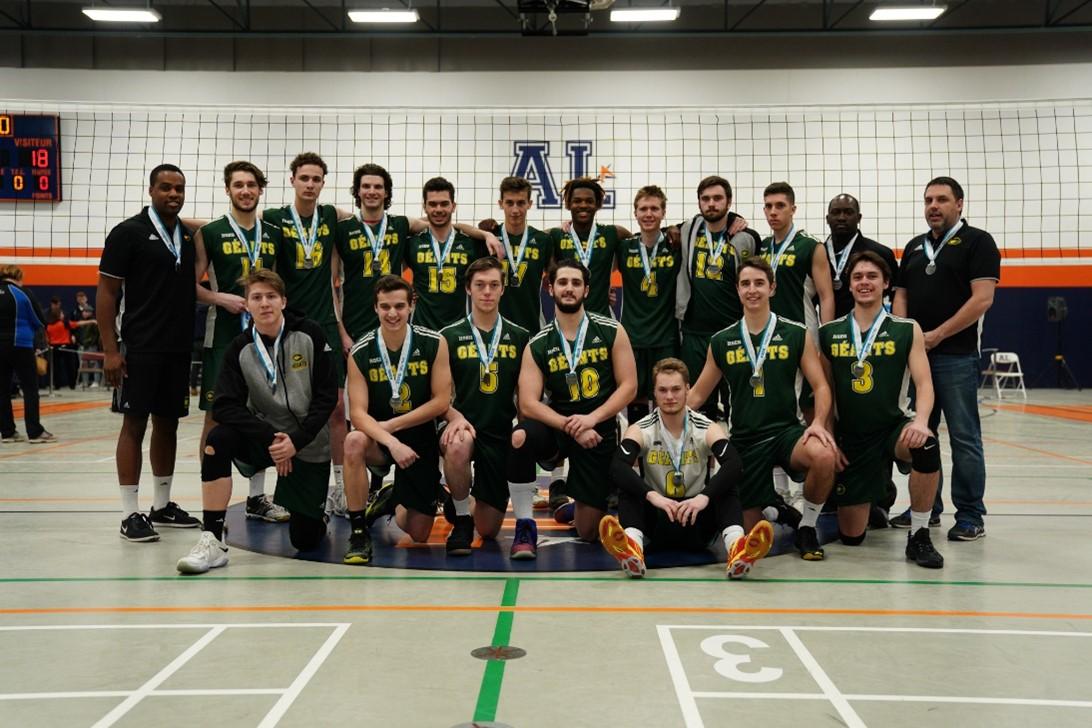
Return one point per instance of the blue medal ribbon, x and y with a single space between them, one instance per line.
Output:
173 242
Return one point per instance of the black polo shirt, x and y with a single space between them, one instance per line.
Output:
971 255
158 298
843 299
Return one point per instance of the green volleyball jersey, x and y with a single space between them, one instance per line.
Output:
763 410
600 264
486 397
795 289
416 388
307 281
441 289
878 398
358 267
522 301
648 302
714 299
229 261
594 371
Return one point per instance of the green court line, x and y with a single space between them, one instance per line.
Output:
531 577
489 692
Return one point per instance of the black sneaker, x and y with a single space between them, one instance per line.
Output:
172 516
557 495
919 549
359 552
877 517
136 527
461 536
966 531
786 514
383 505
807 543
903 520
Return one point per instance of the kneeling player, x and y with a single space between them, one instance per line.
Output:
583 361
762 358
485 351
273 401
869 353
399 382
676 504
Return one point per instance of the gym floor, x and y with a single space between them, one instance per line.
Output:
96 631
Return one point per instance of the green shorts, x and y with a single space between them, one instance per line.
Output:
759 460
303 490
588 481
211 358
693 351
869 465
333 338
646 358
491 470
418 486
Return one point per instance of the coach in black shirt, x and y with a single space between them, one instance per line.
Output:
147 273
946 283
845 241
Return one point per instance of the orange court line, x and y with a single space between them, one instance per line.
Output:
539 609
49 448
1048 453
56 408
1076 413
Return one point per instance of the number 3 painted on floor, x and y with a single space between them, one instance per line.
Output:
728 663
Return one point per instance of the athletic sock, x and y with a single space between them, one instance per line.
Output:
637 535
559 472
161 496
462 507
339 477
129 500
214 523
730 534
357 522
811 513
919 520
781 484
257 484
523 499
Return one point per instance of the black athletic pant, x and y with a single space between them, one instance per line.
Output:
660 533
20 361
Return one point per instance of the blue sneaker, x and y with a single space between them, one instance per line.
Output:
565 514
966 531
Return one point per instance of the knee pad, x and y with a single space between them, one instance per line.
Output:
926 459
305 533
851 540
224 443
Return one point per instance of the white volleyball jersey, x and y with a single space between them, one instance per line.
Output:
658 448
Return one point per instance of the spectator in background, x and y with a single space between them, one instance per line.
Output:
89 342
63 359
20 319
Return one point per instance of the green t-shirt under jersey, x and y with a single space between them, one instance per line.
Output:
229 261
486 399
308 283
795 289
354 248
878 399
760 412
416 387
600 264
594 370
648 303
440 289
522 304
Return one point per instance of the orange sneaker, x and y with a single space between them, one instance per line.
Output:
627 552
749 549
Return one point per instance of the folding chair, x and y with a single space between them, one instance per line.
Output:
1004 367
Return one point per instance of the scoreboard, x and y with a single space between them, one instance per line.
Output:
30 157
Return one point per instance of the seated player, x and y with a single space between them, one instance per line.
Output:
272 406
399 382
761 358
676 504
584 363
485 350
868 355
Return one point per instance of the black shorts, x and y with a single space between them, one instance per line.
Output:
588 481
418 486
155 384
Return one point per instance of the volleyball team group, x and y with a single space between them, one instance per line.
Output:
745 385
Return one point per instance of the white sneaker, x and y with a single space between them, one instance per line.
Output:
209 553
335 502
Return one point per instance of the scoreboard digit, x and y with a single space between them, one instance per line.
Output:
30 157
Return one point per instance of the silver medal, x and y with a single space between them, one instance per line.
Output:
513 280
572 379
756 380
837 284
308 263
712 269
931 268
857 368
678 476
396 402
377 267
